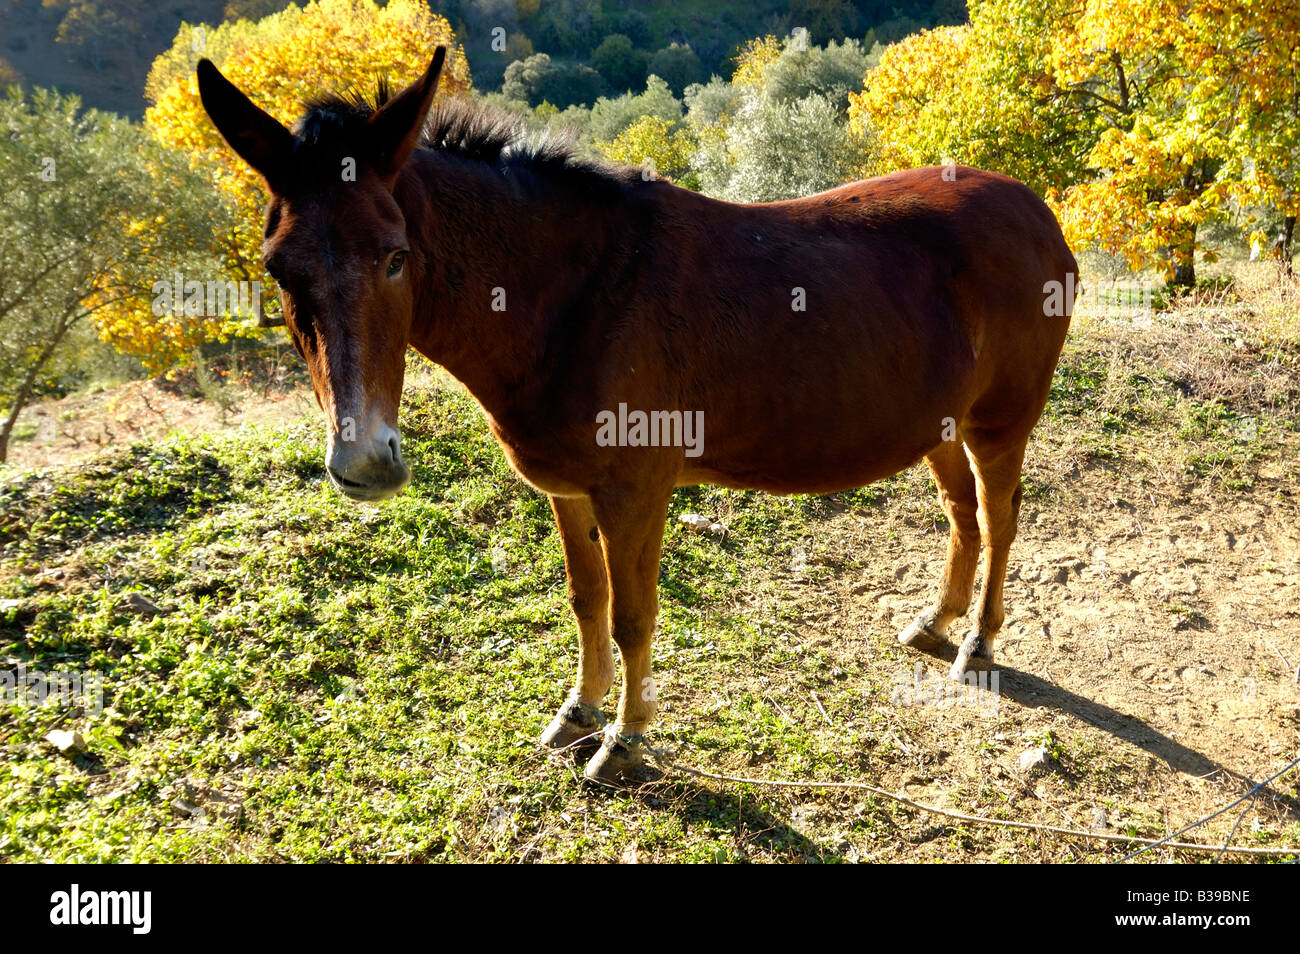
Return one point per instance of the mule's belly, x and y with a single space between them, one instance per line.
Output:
793 463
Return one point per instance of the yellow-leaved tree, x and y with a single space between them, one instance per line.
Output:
752 58
653 144
1139 120
280 61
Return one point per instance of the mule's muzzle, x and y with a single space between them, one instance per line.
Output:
370 469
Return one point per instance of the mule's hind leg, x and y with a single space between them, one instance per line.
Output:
584 565
997 464
957 494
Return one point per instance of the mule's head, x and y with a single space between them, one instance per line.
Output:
336 243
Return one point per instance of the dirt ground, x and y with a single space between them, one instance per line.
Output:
1153 620
1164 631
75 429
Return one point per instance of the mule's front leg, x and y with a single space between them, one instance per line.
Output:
584 565
631 530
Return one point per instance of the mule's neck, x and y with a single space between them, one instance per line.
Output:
504 258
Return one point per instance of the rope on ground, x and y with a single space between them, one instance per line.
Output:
1251 795
662 760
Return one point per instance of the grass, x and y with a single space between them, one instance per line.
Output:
332 683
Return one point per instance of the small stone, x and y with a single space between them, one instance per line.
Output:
1099 821
68 743
695 522
1034 760
186 809
139 604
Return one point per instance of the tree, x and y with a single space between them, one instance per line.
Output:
772 150
834 70
97 27
825 20
752 58
281 61
622 66
93 213
678 65
610 116
916 100
778 130
977 94
659 147
1139 120
537 79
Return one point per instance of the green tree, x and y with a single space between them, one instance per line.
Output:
678 65
611 115
84 198
538 79
772 150
622 66
96 28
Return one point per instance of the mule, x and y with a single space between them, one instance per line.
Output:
823 343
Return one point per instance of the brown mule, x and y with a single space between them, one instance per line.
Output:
626 337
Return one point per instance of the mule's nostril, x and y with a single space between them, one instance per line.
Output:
394 448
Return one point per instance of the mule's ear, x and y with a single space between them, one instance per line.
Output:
259 139
396 127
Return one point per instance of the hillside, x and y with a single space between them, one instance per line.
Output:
102 49
323 682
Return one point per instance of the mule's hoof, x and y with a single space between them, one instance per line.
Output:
574 722
975 654
920 636
619 756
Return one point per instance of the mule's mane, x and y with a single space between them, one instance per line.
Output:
335 125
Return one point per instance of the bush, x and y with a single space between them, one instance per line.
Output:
622 66
678 65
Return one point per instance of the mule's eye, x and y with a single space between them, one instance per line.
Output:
395 264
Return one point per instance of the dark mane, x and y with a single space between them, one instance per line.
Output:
335 126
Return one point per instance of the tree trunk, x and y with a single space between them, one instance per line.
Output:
1182 258
1288 238
24 391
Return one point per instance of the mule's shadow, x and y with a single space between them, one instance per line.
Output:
755 827
712 809
1031 691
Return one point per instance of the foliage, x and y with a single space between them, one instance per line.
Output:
657 147
678 65
537 79
609 117
778 130
1141 120
771 150
280 61
834 71
622 66
93 212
